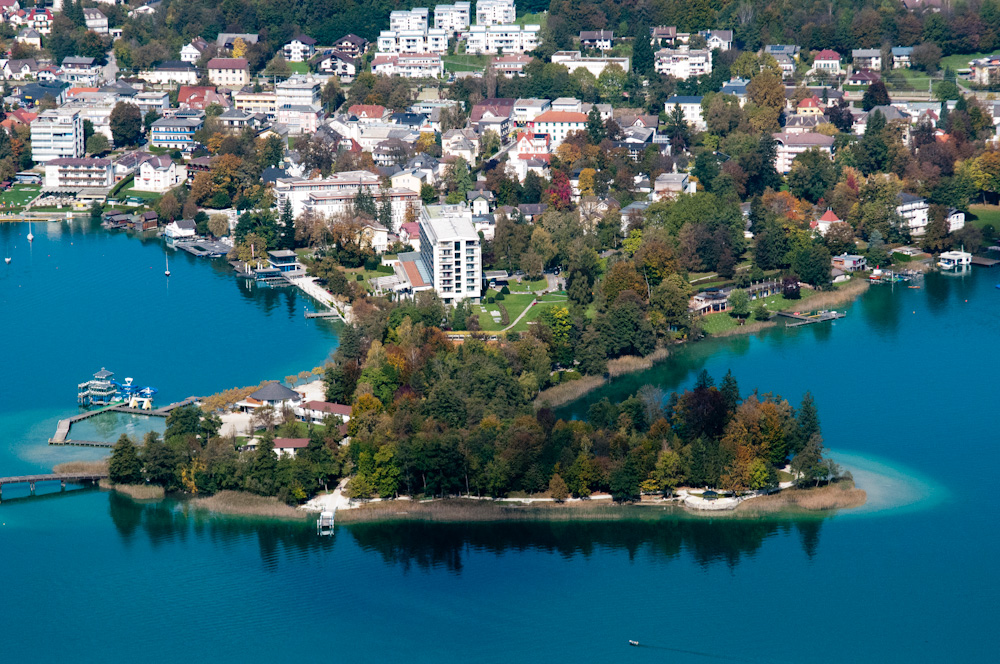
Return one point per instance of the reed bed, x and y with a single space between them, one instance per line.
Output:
100 466
464 510
241 503
840 495
136 491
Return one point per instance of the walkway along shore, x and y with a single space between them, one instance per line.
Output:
61 436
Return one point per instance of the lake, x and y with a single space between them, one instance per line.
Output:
903 385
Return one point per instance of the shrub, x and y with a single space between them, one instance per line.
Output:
490 300
385 269
371 264
361 277
505 291
499 297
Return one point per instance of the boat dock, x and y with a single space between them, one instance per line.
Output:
62 478
204 248
985 262
61 436
808 319
332 313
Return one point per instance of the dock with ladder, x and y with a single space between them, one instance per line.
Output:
808 319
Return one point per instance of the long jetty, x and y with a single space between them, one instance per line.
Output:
61 436
62 478
801 319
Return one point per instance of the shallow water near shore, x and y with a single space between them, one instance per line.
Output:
905 390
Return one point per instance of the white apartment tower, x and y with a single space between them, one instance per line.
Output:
450 250
453 18
414 19
506 39
57 133
495 12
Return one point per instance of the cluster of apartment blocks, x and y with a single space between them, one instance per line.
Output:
494 31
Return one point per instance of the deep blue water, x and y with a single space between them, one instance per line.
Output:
905 386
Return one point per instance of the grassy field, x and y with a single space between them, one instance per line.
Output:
147 196
299 67
465 62
366 275
17 197
515 303
544 302
959 61
527 286
985 214
541 18
912 80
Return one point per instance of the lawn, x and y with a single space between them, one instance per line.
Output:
299 67
541 18
716 323
465 62
147 196
985 214
535 312
515 304
17 197
960 61
526 286
911 80
366 275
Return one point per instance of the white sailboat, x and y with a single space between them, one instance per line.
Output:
31 236
167 272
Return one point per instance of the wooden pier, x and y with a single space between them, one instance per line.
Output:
984 262
62 478
802 319
332 313
61 436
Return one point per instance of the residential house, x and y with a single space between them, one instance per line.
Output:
170 73
287 447
914 212
226 40
573 60
29 36
493 115
986 71
850 262
738 88
526 110
193 51
351 45
462 143
511 65
822 225
40 19
956 220
157 102
790 50
671 185
315 412
558 124
690 106
863 77
264 102
480 200
413 41
78 173
802 124
229 72
502 38
809 106
159 174
683 64
901 57
602 40
409 19
791 145
786 64
718 39
199 97
300 48
664 35
128 164
297 102
273 394
827 61
18 118
96 21
338 63
82 71
867 58
409 65
177 131
183 228
368 113
18 70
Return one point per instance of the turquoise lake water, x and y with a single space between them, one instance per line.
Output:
905 385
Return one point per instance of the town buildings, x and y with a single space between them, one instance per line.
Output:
177 131
683 64
792 145
229 72
573 60
451 253
495 12
409 65
159 174
453 19
496 38
77 173
299 49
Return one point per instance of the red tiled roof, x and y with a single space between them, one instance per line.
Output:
227 63
561 116
829 216
367 110
827 54
413 274
293 443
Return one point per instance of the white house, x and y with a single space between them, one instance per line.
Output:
300 48
827 61
229 72
867 58
192 52
718 39
914 211
181 228
412 19
682 63
792 145
413 41
502 38
30 37
901 56
289 446
690 106
495 12
96 21
160 174
409 65
341 65
315 412
453 19
670 185
558 124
